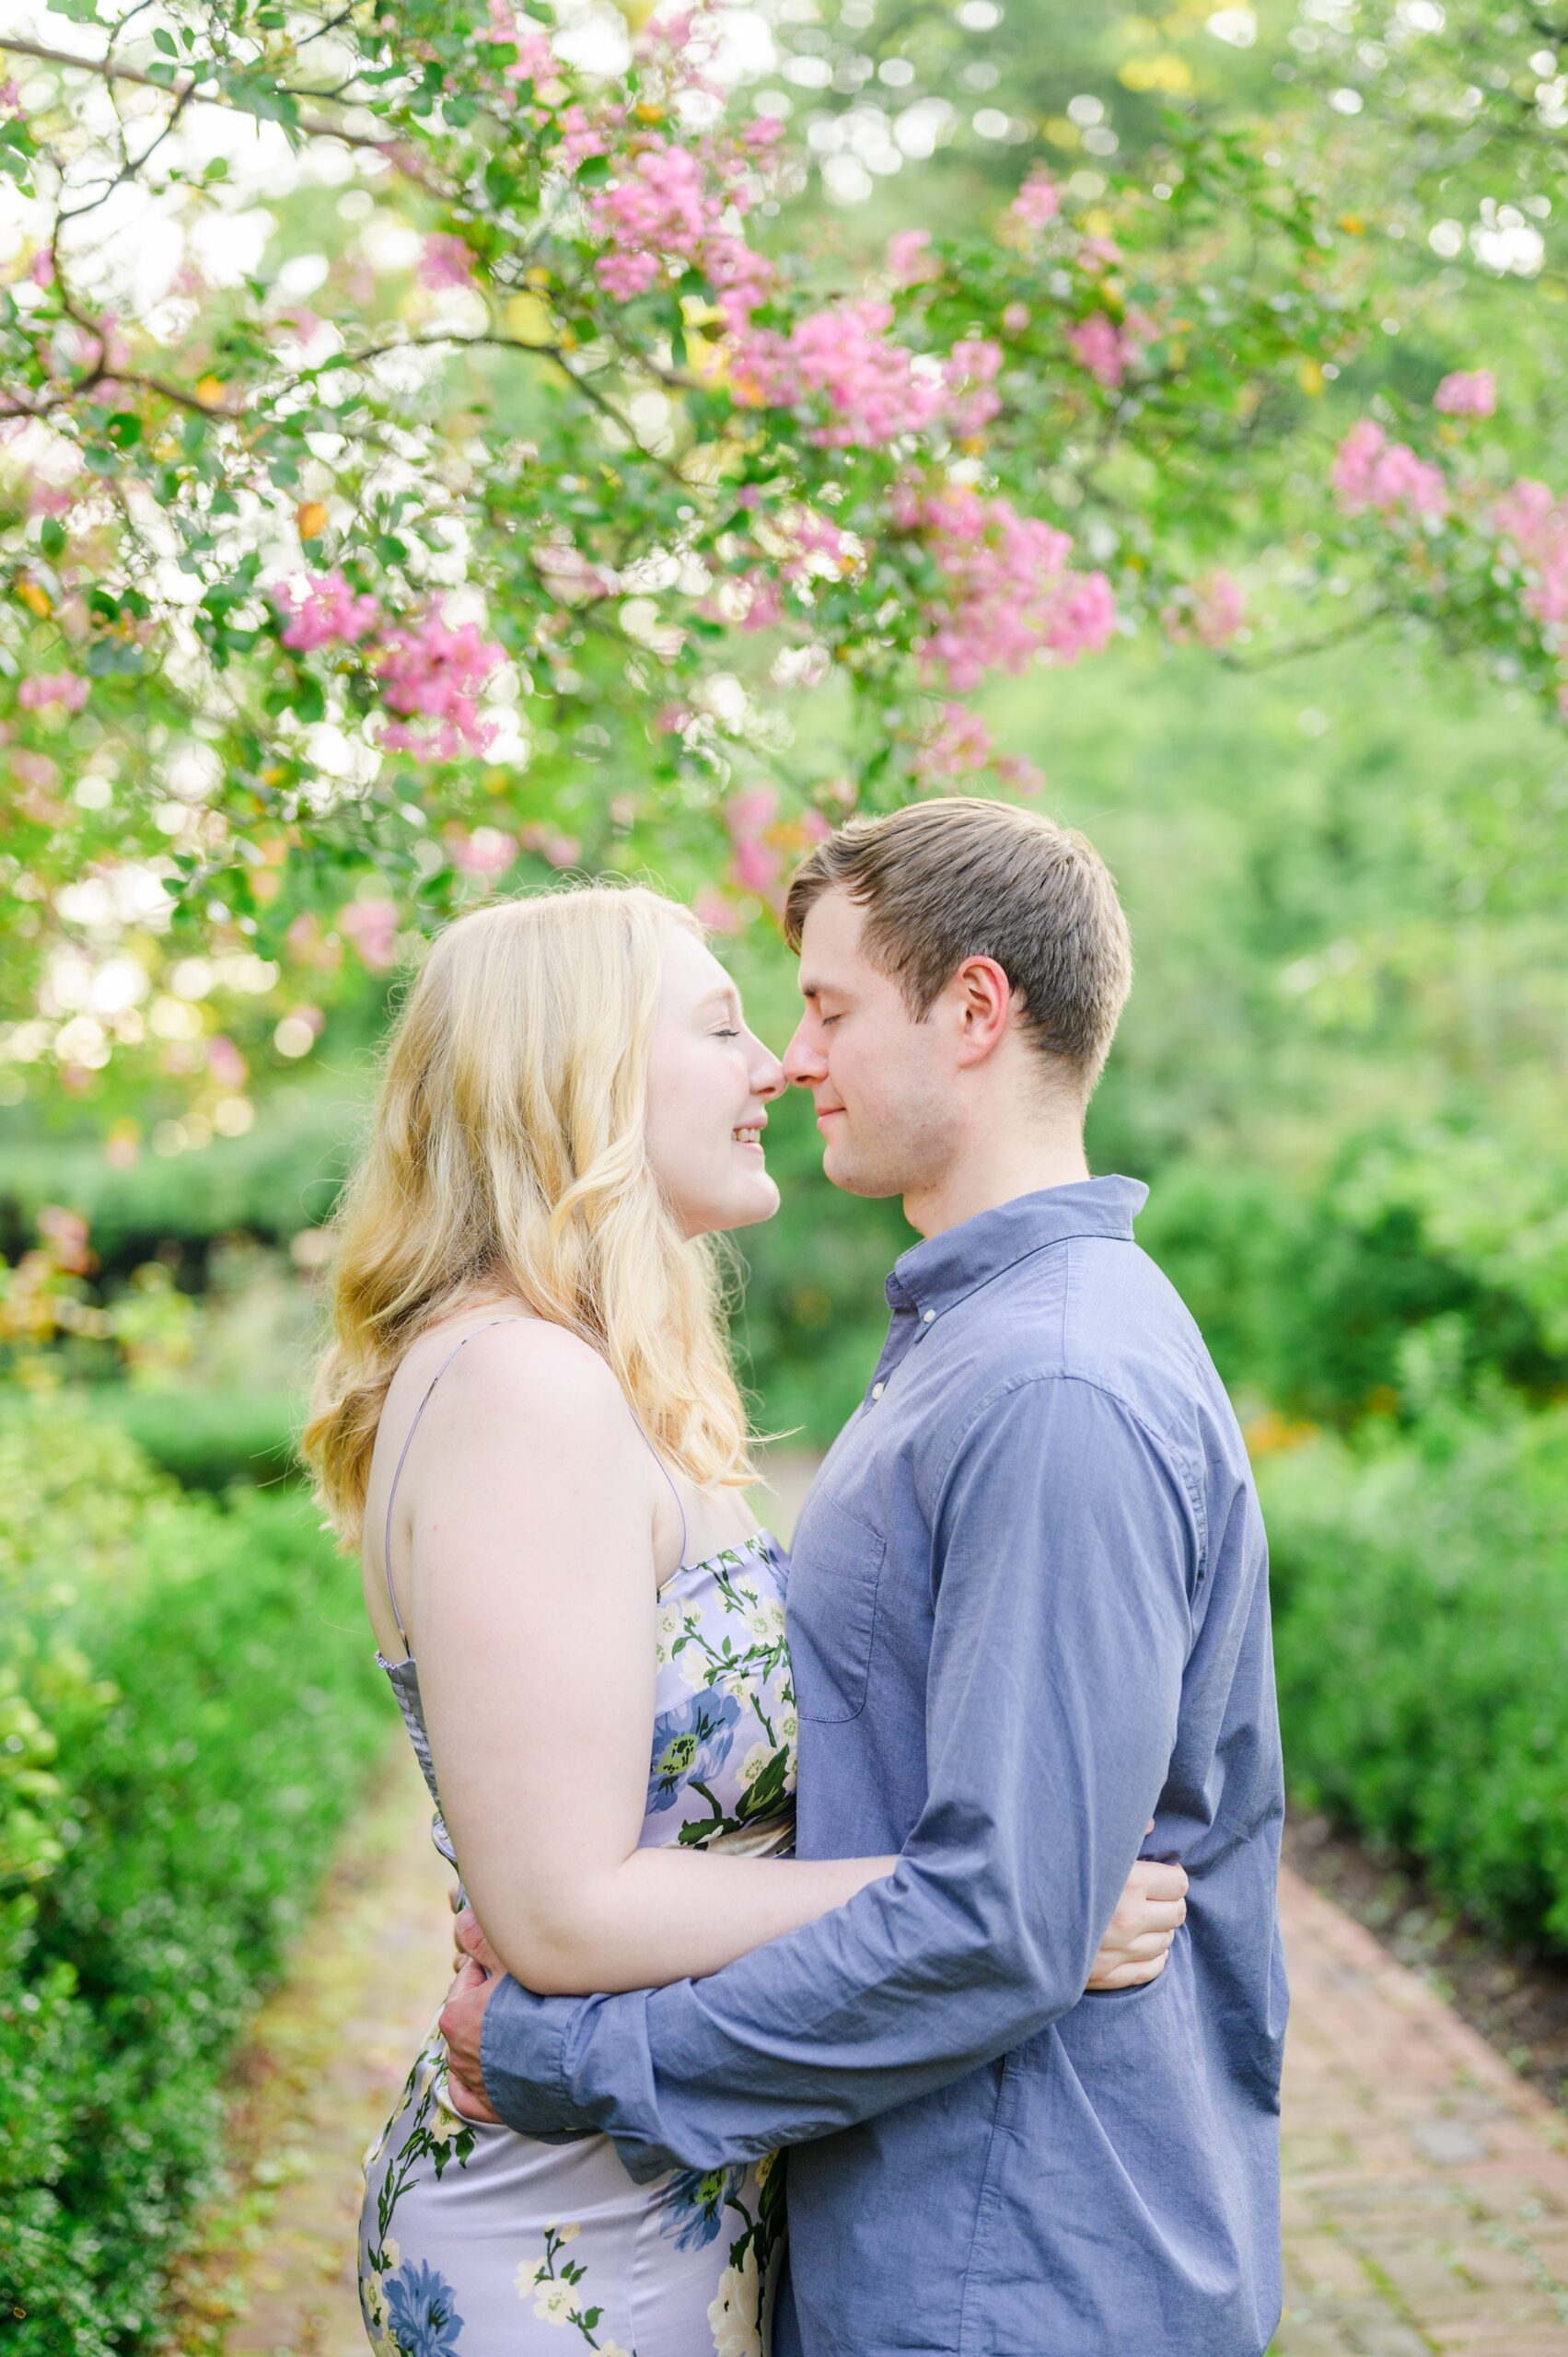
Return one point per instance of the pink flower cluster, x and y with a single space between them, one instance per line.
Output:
372 926
1467 393
10 98
754 864
66 689
958 743
431 671
482 851
1371 472
535 61
1104 349
1537 525
1036 202
842 357
970 375
446 261
671 202
1009 598
909 259
319 608
1210 609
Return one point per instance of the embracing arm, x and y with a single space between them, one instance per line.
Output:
531 1591
1064 1544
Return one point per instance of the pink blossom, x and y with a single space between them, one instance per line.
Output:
226 1063
583 134
763 130
446 261
435 673
755 864
1467 393
10 98
660 206
626 275
535 61
50 499
316 609
909 259
764 606
1210 610
486 853
41 270
717 914
956 745
372 927
842 358
549 844
66 689
814 826
1528 513
973 398
1016 318
1104 349
1021 775
1036 202
1008 596
748 813
1371 472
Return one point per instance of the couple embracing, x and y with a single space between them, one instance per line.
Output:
920 1885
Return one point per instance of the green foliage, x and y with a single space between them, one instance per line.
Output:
208 1439
193 1706
1421 1638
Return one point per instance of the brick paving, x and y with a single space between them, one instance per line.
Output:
1425 2184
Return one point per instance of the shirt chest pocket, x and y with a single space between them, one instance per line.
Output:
835 1570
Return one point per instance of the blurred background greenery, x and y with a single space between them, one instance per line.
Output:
1341 1076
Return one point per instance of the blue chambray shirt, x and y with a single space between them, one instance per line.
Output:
1028 1610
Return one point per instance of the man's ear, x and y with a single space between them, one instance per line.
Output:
984 1000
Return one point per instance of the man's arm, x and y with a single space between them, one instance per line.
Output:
1065 1545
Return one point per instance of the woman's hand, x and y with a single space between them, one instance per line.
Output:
1137 1939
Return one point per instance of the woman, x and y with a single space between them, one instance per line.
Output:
528 1424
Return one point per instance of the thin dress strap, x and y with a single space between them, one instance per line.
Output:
402 1459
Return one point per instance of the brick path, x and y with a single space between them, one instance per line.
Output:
1426 2185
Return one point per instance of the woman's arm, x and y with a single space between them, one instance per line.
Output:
531 1604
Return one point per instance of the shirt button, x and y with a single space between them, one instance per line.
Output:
928 1317
877 1389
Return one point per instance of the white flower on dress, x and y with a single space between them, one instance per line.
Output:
554 2304
694 1667
531 2273
567 2234
611 2349
755 1761
733 2315
376 2303
446 2124
394 2251
789 1730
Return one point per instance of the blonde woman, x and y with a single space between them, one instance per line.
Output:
528 1423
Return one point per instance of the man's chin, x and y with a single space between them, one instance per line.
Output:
851 1178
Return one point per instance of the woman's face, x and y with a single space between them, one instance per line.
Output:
710 1083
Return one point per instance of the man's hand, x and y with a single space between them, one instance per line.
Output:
462 2020
1137 1939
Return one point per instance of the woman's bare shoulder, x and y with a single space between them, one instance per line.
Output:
520 1366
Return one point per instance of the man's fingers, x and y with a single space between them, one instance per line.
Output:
471 1939
1137 1975
1155 1878
1162 1915
463 2100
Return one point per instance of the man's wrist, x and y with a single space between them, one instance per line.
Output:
523 2056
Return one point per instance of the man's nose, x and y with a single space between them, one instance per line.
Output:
803 1061
768 1078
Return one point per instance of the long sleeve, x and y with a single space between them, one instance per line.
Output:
1064 1553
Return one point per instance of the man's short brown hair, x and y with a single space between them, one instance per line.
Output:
945 880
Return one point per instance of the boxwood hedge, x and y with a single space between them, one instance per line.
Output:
187 1709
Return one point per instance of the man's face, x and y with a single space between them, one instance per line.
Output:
883 1084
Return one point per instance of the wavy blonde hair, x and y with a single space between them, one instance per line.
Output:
508 1147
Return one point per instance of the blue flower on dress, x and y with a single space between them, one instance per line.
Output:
693 2204
421 2313
689 1743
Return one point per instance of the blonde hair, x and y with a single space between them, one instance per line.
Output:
507 1146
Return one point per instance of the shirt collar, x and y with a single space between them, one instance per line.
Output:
933 1275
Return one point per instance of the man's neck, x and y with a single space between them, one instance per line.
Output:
998 1173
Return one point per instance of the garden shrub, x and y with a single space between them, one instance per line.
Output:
188 1706
1421 1631
208 1439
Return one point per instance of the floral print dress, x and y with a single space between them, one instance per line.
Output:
475 2241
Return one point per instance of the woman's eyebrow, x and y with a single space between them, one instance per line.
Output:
725 998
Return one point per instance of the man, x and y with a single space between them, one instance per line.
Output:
1027 1610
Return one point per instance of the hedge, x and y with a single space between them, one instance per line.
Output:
208 1439
1421 1633
188 1707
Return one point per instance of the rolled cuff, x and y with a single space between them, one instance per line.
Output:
522 2054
